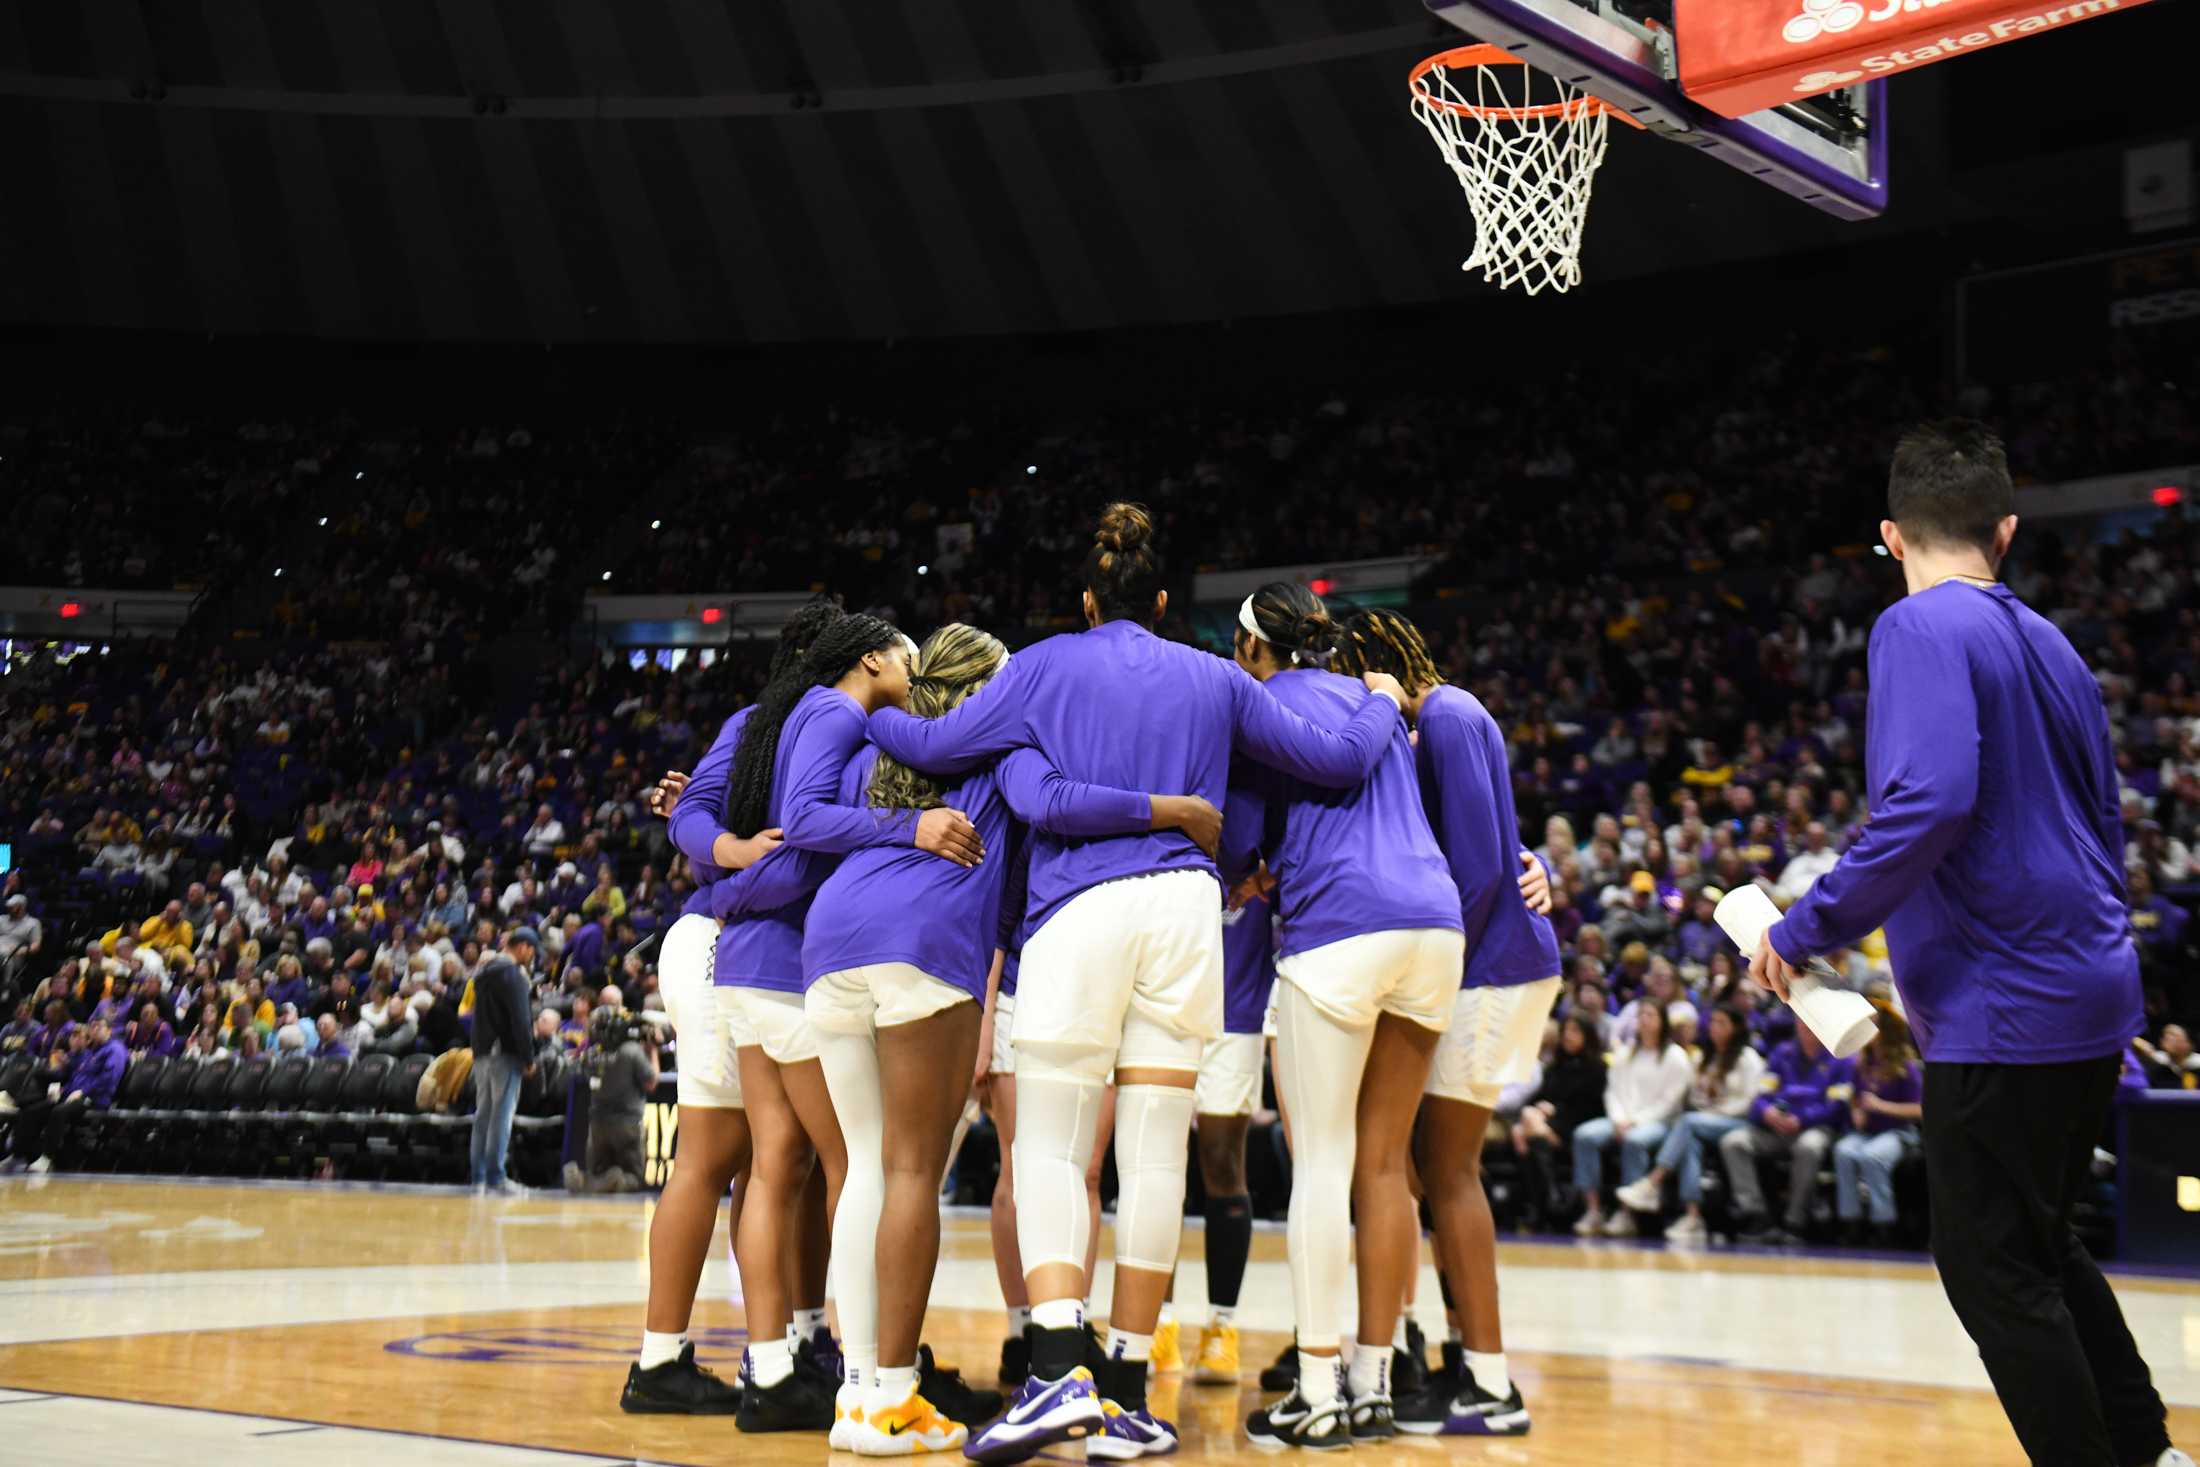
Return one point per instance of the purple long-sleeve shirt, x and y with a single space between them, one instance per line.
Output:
699 819
1348 862
1248 966
98 1073
1797 1083
1993 856
1906 1087
821 735
1466 788
893 905
1118 706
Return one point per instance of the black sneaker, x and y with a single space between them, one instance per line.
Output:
950 1397
1372 1419
1751 1227
1291 1422
1473 1412
797 1403
1284 1374
1015 1359
1409 1367
819 1361
678 1388
1096 1352
1451 1377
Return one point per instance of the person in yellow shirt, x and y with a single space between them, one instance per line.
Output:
168 934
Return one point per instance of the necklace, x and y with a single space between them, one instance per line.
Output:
1982 582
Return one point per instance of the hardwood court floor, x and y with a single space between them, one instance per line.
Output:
179 1322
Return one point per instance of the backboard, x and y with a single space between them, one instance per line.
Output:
1829 150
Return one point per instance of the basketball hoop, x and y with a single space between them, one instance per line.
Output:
1526 164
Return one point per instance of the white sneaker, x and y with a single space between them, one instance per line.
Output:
1689 1229
40 1167
847 1416
1641 1195
7 1104
1621 1224
507 1188
2173 1458
1589 1226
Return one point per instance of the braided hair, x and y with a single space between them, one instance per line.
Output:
1384 641
839 647
803 628
1291 619
1122 570
955 662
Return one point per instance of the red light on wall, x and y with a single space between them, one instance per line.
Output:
2168 496
71 610
712 616
1320 585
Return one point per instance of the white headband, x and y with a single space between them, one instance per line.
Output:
1245 619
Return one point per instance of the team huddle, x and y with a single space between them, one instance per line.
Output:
1075 877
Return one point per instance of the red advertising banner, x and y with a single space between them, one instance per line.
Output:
1742 56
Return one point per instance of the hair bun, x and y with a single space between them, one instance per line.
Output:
1315 634
1123 528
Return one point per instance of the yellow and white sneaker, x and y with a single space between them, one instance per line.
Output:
1217 1361
904 1430
847 1416
1168 1349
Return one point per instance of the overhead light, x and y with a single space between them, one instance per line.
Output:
607 575
360 475
1031 468
278 573
324 522
924 570
1881 550
656 524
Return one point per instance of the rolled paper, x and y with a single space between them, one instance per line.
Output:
1843 1021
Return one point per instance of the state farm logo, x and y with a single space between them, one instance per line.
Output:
1824 17
1832 17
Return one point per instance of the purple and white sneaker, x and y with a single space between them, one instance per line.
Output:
1473 1412
1129 1435
1041 1413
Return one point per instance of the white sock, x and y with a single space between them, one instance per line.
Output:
1168 1313
862 1367
894 1385
660 1349
770 1362
808 1324
1019 1315
1059 1314
1454 1336
1221 1318
1369 1373
1490 1374
1398 1339
1317 1378
1123 1345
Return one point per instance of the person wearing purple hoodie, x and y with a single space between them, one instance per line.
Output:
1994 860
896 952
94 1074
1123 969
1805 1105
1368 967
714 1129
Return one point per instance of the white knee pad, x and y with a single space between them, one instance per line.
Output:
1057 1118
1153 1126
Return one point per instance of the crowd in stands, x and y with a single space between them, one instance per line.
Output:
320 848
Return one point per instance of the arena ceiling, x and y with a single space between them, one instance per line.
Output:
760 170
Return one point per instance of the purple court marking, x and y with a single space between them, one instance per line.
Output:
556 1345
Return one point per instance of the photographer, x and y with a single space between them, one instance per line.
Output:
621 1063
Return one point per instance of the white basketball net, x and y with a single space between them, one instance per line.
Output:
1526 164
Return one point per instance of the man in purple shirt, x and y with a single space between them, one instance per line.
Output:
93 1077
1994 861
1803 1109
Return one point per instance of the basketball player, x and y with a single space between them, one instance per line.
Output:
1367 974
787 772
1993 860
714 1141
1123 970
1506 994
